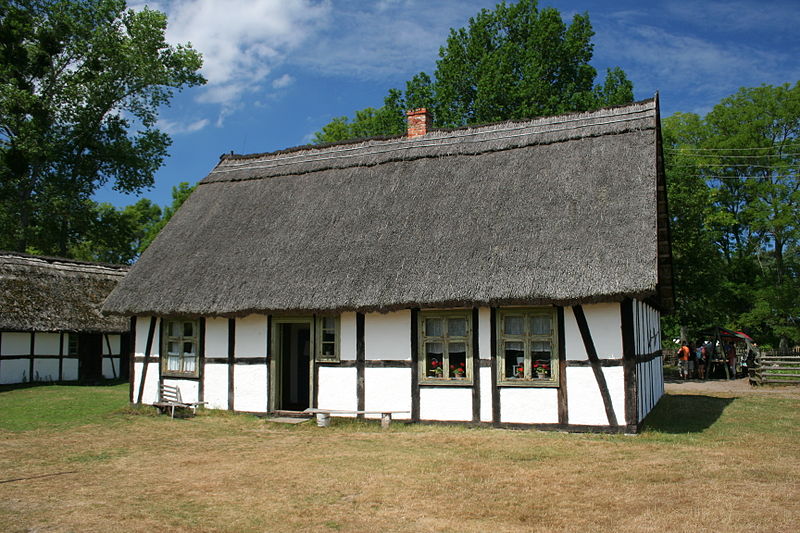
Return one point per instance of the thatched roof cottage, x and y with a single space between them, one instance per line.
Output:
51 325
510 274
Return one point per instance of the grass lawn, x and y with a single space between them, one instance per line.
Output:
78 459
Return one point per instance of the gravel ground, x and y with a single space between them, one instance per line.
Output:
735 387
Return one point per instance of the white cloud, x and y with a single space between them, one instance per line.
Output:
242 41
282 82
174 127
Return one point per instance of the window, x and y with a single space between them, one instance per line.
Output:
527 347
72 344
180 348
445 352
328 339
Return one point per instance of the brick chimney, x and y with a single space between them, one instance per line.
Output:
418 122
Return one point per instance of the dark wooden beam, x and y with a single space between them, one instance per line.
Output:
493 352
476 372
563 406
594 361
360 366
231 363
147 350
415 365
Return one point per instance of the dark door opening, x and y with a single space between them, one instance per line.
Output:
294 373
90 357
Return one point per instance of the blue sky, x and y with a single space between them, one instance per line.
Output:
278 70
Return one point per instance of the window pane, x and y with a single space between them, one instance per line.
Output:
172 329
434 359
173 348
328 322
173 362
513 325
188 348
328 336
542 369
457 352
457 327
189 364
541 349
514 360
328 349
434 327
188 329
540 325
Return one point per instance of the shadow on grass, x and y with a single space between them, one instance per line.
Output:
34 384
685 413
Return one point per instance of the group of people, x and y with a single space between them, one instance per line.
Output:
694 358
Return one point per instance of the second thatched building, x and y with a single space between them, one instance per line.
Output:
509 274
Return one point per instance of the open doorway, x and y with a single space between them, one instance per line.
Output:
292 372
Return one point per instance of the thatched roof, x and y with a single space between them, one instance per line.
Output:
53 294
553 210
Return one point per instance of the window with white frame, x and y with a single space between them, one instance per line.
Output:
527 347
328 339
180 348
445 347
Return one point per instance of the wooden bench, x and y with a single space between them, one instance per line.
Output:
324 415
169 397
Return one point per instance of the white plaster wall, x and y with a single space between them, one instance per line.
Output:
142 327
15 343
46 344
65 347
484 333
525 405
584 400
217 337
388 388
251 337
69 369
45 369
215 386
388 335
250 386
486 394
347 332
111 367
190 389
605 326
445 403
14 370
114 340
337 388
150 394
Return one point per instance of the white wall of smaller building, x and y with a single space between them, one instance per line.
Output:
337 388
347 331
388 335
445 403
251 336
215 386
605 324
585 403
529 405
69 369
388 389
14 371
250 387
46 343
15 343
111 367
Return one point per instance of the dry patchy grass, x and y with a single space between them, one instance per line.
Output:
705 463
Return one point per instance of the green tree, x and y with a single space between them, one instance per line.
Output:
746 152
513 62
81 83
179 195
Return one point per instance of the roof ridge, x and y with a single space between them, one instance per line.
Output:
476 128
4 254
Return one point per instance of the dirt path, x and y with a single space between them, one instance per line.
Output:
735 387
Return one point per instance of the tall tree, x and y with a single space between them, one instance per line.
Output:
747 152
513 62
81 83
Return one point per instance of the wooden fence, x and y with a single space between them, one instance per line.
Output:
776 367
